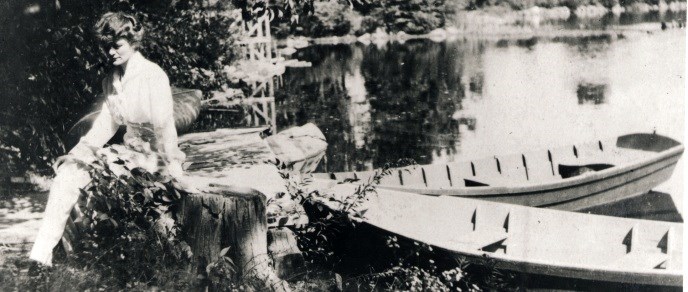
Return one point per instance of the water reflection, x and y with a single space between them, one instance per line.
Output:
435 102
591 93
609 20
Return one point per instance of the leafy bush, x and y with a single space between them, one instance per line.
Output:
332 18
369 24
129 228
413 16
329 18
412 265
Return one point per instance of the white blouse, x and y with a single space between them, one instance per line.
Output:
142 101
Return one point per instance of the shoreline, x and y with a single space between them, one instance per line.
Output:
444 34
518 24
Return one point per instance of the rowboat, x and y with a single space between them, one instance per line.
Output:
523 239
569 178
299 148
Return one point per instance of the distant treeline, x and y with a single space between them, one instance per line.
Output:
342 17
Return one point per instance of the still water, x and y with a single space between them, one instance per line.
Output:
446 101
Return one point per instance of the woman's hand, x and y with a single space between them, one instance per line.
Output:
174 169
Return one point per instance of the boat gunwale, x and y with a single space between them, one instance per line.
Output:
531 188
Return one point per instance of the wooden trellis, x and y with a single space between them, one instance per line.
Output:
257 46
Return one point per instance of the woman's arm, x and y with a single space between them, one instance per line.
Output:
162 117
103 128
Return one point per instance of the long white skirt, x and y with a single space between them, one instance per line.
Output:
65 192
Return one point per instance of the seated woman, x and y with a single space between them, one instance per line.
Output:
138 96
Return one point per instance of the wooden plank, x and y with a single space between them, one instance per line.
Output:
540 166
513 168
412 176
459 171
436 176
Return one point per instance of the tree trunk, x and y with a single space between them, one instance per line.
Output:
233 218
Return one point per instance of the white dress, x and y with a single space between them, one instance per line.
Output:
141 100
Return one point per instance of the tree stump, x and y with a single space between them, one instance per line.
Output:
285 253
233 218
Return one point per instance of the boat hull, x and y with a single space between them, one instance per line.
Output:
577 195
528 240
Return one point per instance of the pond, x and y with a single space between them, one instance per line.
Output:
436 102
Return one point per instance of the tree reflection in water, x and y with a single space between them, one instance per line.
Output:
380 104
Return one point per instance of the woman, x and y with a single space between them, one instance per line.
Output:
138 96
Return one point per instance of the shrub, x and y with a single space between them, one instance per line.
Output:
413 16
129 228
328 19
369 24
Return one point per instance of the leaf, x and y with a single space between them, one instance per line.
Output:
147 194
160 185
224 251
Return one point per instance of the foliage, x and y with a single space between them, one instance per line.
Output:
129 229
369 24
413 266
416 270
409 16
59 75
317 238
330 18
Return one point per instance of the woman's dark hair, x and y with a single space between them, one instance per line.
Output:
118 25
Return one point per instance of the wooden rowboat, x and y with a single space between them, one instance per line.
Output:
524 239
566 178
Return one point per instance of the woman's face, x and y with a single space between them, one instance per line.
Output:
120 52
